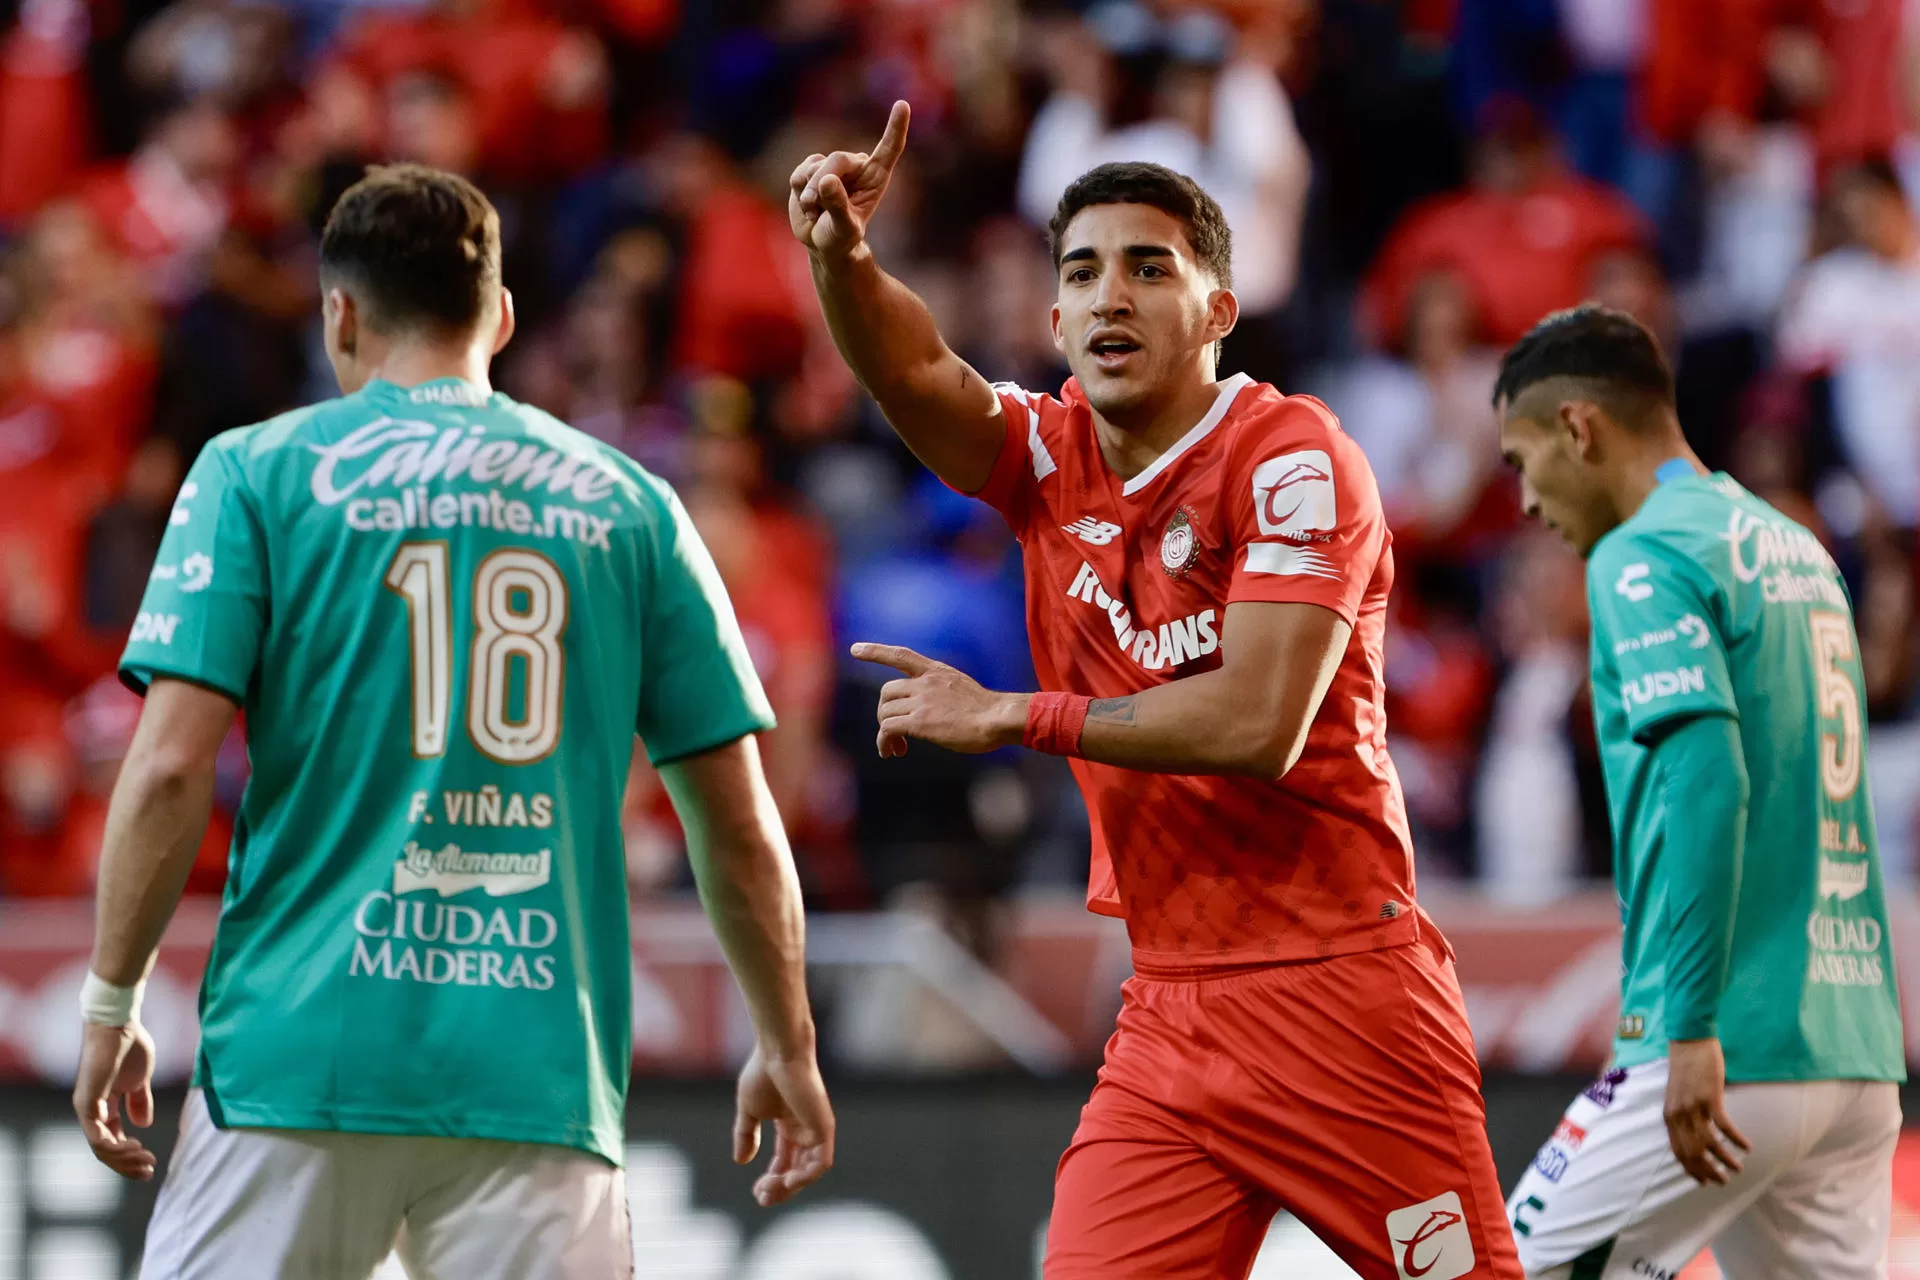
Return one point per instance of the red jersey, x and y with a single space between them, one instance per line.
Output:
1128 584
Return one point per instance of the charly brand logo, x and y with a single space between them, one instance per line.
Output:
1431 1240
1632 583
397 452
1179 545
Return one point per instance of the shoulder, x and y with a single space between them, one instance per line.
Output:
1670 539
1266 424
244 453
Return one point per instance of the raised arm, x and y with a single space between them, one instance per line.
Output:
752 895
941 408
1248 717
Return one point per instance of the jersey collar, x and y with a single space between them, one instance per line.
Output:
453 391
1673 469
1229 389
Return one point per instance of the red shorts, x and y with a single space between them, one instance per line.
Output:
1343 1091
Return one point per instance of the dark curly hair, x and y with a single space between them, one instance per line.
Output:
1161 188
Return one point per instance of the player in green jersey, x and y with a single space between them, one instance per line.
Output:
1752 1102
445 616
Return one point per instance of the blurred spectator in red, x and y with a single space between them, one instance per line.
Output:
44 118
1523 236
1855 315
88 339
1531 824
537 87
167 205
1423 412
43 500
431 121
99 728
744 297
1716 67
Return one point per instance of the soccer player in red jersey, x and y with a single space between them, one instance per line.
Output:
1207 571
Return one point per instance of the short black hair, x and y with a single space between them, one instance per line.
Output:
1610 350
1155 185
421 246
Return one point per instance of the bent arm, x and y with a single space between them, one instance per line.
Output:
748 886
944 411
155 822
1703 783
1248 717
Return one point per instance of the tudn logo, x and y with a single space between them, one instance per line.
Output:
1431 1240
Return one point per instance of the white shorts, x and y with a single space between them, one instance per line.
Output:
1606 1197
300 1204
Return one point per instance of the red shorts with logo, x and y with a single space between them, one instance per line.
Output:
1343 1091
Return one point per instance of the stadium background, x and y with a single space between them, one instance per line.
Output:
1410 184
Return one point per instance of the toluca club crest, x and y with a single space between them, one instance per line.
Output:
1179 547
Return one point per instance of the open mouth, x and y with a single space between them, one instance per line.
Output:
1111 353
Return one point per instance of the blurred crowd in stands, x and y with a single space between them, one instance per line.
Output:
1410 184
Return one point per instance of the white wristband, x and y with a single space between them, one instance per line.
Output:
108 1005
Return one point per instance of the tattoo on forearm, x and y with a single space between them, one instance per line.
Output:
1111 710
966 376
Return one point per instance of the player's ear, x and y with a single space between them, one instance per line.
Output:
505 333
341 321
1223 313
1059 339
1577 424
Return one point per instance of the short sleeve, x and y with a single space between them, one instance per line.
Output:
698 689
1655 622
205 610
1305 514
1022 455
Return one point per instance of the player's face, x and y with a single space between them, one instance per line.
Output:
1136 316
1557 485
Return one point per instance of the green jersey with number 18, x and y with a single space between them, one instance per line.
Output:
1709 601
444 615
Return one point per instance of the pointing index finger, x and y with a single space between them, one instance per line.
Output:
887 152
896 656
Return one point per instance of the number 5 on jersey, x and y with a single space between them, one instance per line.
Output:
519 611
1839 700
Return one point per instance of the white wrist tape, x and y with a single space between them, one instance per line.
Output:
109 1005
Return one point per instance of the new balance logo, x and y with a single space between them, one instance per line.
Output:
1095 532
1431 1240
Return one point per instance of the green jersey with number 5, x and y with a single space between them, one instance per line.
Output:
1709 601
445 616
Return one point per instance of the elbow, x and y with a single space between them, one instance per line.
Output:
1264 753
166 772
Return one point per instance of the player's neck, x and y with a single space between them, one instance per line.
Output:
1133 441
1640 474
409 364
